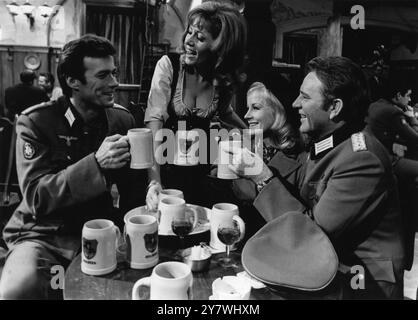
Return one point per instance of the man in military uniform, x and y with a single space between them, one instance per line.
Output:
348 187
390 120
69 154
396 127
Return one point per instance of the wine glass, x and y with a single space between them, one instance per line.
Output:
184 223
230 232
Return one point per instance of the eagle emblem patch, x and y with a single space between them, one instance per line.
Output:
28 151
89 248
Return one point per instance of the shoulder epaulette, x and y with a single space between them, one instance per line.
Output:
358 142
118 106
37 107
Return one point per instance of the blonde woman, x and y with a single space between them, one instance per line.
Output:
283 152
266 112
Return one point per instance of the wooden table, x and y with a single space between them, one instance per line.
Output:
118 284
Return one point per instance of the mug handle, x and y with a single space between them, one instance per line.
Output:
241 226
118 241
117 231
196 217
125 234
141 282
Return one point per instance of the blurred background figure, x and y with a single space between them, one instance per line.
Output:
23 95
394 125
376 82
415 107
47 81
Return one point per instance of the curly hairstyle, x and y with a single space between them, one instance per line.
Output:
229 31
281 134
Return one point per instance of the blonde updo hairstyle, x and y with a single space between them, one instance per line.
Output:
280 134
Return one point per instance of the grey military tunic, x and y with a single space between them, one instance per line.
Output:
61 182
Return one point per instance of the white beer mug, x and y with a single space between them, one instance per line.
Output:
224 213
171 207
141 234
225 159
187 148
99 242
170 193
169 281
142 150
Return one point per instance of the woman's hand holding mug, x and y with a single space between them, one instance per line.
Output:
153 194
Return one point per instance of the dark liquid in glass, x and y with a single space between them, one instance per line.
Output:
228 236
181 228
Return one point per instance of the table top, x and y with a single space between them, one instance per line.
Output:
118 284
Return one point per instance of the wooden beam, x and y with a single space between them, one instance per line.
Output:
330 39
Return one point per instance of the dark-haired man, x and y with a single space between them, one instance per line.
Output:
388 117
23 95
46 81
348 187
396 127
69 154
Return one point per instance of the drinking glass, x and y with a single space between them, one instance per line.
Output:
183 224
230 232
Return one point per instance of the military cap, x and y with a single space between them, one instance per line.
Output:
291 251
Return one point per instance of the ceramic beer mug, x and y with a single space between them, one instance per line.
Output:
170 207
187 148
169 281
99 242
225 158
142 150
224 213
170 193
141 234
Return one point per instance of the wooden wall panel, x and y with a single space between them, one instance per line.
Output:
12 64
7 73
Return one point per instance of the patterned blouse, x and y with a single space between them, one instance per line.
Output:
268 153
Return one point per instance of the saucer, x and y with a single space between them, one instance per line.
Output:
203 223
202 226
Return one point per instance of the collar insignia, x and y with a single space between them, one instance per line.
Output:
70 117
324 145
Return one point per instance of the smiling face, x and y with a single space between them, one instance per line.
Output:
44 83
315 119
99 87
198 43
259 114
